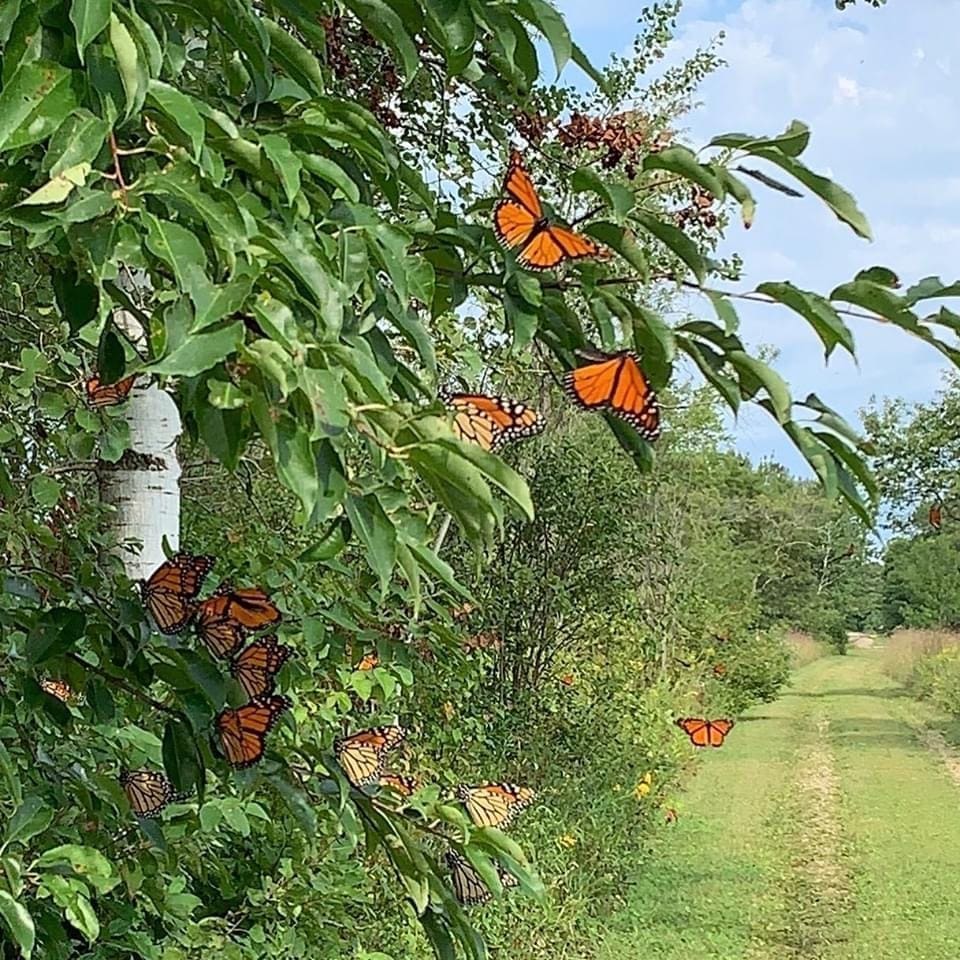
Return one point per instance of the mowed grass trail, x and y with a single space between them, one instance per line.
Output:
827 828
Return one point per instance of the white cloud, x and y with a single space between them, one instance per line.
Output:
874 87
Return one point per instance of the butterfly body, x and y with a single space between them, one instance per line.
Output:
362 755
169 591
243 730
705 733
521 225
494 804
614 382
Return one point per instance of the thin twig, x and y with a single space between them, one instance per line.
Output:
123 685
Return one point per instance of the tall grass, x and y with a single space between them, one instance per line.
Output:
906 649
804 649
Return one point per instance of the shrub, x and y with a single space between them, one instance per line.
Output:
804 648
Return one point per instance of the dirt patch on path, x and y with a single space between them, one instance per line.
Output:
820 882
861 641
934 741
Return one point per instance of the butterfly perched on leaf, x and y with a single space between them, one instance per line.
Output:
719 670
57 688
368 661
225 619
705 733
256 666
243 730
148 792
101 394
490 422
615 383
400 783
494 804
169 592
362 755
521 225
935 516
468 885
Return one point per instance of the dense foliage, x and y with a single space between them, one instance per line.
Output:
290 202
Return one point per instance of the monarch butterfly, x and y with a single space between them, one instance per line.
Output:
705 733
670 815
256 666
243 730
491 422
369 661
170 588
101 394
719 670
400 783
568 679
615 382
57 688
148 792
363 754
494 804
520 224
468 885
224 619
936 516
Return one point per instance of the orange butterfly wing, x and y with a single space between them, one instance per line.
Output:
251 607
369 661
406 786
256 666
551 246
362 755
705 733
492 421
615 382
243 730
513 224
57 688
936 516
170 588
101 394
518 186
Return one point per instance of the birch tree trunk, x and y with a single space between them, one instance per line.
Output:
143 487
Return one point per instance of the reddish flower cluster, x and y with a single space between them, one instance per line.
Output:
626 137
699 211
360 61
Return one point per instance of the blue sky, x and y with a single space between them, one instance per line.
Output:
880 91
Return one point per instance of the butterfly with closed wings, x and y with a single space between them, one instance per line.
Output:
362 755
468 885
490 422
256 666
100 394
169 592
521 225
225 619
243 730
148 792
494 804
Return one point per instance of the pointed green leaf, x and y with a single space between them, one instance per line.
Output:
816 310
19 922
34 102
548 20
383 22
180 109
675 239
623 241
89 19
682 161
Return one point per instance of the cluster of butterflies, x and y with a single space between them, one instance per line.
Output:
612 382
363 756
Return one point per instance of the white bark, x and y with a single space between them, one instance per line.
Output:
143 487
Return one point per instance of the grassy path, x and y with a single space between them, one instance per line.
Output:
828 828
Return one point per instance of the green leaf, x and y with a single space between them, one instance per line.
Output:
817 311
54 633
19 922
86 862
373 528
740 192
180 109
383 23
583 62
682 160
110 356
929 288
201 351
285 162
298 803
587 180
675 239
623 241
33 816
45 491
882 275
725 311
548 20
79 139
181 760
35 101
451 24
182 251
749 368
132 72
90 19
792 142
294 57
